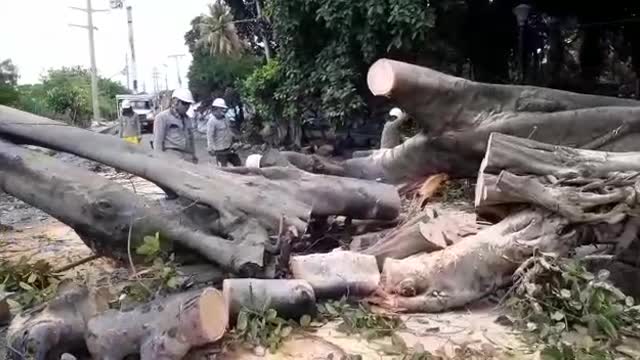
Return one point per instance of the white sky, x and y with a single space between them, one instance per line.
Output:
36 36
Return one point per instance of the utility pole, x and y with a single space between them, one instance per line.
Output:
126 69
176 57
92 55
134 70
156 77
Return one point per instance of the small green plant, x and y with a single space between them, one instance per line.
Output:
264 328
576 314
160 275
32 282
359 319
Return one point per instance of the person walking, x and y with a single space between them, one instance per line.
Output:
173 129
391 133
220 137
130 128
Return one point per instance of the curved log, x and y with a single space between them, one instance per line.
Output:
441 102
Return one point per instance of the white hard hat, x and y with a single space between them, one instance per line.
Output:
126 104
220 103
183 95
396 112
253 161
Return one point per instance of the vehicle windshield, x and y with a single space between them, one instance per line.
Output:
141 104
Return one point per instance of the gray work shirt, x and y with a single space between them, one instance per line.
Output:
391 134
129 126
173 132
219 134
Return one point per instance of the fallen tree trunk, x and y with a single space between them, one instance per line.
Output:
290 298
111 219
460 153
164 329
473 267
581 185
48 331
441 102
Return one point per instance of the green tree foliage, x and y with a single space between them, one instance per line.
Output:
259 89
212 75
8 81
217 31
326 47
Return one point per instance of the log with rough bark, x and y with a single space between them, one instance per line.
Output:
290 298
48 331
585 186
441 102
337 273
473 267
111 219
165 329
424 233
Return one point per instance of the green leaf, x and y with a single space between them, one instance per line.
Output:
331 310
150 246
26 286
565 294
557 316
241 323
305 321
606 326
173 282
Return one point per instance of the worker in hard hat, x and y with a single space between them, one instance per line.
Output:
391 133
130 128
220 137
173 129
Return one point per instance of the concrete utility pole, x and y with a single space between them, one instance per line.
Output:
92 55
134 69
176 57
166 77
156 78
126 69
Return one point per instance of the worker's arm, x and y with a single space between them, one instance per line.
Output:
121 125
159 134
211 133
139 123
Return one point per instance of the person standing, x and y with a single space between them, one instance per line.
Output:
391 133
220 135
130 128
173 129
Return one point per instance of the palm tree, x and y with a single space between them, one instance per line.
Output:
218 33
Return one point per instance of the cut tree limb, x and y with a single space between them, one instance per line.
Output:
290 298
48 331
337 273
441 102
582 185
473 267
102 212
164 329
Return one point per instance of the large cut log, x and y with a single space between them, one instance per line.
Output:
473 267
338 273
109 218
441 102
290 298
165 329
581 185
47 331
460 153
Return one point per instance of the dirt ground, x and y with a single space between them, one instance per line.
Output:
27 231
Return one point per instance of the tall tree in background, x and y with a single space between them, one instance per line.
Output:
217 31
8 81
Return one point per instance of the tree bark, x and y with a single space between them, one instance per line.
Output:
47 331
165 329
441 102
337 273
473 267
290 298
110 219
585 186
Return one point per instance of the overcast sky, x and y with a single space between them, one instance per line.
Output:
35 34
